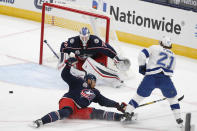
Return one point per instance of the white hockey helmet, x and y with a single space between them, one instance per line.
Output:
166 41
84 35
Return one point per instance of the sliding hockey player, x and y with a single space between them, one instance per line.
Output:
74 104
157 64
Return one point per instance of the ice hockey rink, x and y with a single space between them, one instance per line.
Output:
37 89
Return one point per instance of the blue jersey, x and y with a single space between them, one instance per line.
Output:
95 47
81 93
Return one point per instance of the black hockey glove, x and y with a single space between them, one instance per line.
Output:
121 107
71 61
142 69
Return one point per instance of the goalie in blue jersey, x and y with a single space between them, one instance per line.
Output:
86 46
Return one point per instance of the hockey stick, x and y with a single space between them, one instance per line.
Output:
152 102
45 41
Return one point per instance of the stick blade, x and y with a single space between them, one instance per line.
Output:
181 98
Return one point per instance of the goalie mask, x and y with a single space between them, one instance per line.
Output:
84 36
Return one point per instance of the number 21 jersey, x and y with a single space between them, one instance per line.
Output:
157 59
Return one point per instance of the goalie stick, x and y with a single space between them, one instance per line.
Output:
152 102
45 41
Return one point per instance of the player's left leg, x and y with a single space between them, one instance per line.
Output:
105 115
53 116
92 113
66 108
169 91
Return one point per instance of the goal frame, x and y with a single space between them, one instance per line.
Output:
75 11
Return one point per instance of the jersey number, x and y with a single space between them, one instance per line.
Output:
164 57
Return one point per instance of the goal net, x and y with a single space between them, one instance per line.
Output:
59 22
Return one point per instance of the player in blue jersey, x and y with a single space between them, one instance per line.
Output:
85 46
157 64
82 92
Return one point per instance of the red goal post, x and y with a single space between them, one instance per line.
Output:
60 21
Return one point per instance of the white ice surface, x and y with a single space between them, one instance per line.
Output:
37 89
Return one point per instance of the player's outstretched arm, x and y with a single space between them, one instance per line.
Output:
66 75
103 101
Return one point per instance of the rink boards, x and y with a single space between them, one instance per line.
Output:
132 25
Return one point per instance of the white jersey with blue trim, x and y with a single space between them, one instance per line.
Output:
157 59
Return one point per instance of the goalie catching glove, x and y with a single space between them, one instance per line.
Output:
71 61
122 64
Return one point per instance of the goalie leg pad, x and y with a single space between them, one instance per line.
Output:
102 73
77 72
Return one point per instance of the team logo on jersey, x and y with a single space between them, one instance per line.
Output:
85 85
88 94
72 41
77 52
96 41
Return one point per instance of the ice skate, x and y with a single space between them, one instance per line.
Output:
128 118
37 123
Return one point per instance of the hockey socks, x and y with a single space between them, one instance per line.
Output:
104 115
175 107
134 103
112 116
56 115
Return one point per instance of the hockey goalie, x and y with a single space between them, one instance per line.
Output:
92 53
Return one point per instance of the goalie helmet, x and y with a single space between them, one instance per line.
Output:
84 35
90 76
166 42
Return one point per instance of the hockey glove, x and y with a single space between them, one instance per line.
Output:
61 62
142 69
71 61
121 107
122 64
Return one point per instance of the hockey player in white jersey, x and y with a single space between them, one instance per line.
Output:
157 64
